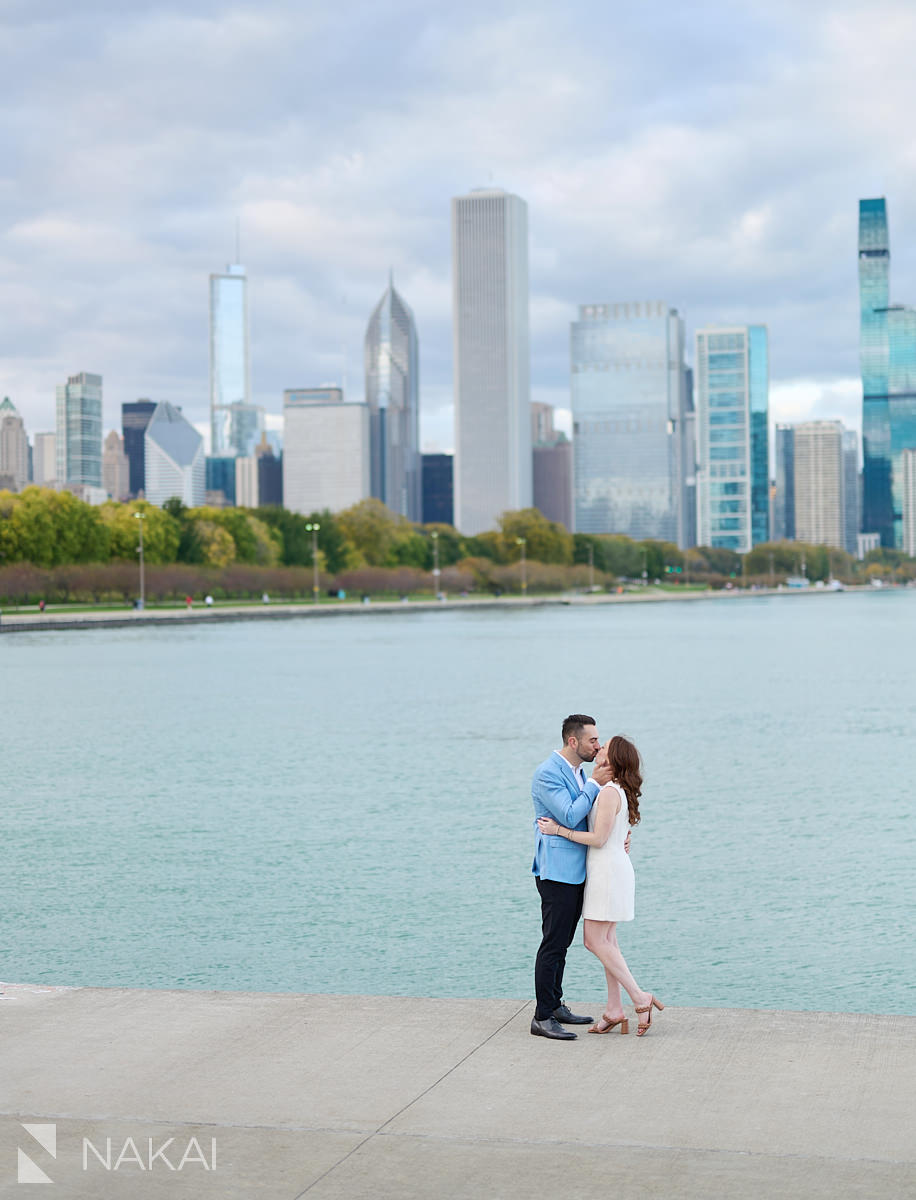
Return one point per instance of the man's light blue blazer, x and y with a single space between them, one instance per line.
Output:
556 793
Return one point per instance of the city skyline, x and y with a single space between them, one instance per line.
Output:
650 185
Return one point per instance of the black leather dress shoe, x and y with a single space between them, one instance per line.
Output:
551 1028
563 1015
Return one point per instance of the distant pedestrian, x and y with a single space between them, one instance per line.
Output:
208 600
265 599
188 601
41 605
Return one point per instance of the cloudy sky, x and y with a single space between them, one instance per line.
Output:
707 154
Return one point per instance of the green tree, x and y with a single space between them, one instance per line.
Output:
782 558
296 540
489 545
374 532
619 555
217 547
161 532
451 545
545 541
660 555
411 549
715 560
51 528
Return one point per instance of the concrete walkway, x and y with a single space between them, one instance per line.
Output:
14 621
350 1097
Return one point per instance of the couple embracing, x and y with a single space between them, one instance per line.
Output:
582 868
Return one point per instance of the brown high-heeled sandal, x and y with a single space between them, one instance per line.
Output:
644 1026
605 1020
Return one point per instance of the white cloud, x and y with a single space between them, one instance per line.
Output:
817 400
708 155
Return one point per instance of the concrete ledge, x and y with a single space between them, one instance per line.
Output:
391 1097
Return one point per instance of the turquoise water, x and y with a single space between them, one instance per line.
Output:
343 805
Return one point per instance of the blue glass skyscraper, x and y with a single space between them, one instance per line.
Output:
759 405
732 401
629 401
887 350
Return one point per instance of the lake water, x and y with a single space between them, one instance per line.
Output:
343 805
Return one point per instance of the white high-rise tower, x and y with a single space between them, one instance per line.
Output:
491 370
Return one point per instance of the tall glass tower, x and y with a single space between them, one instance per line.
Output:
887 351
491 357
732 374
392 393
79 430
629 407
235 423
784 510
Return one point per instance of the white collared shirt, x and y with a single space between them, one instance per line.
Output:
577 771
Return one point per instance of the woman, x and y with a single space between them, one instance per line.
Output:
610 885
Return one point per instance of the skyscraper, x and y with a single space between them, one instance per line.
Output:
732 401
14 448
491 357
784 508
134 419
235 423
888 361
246 481
820 516
629 401
392 393
115 467
908 475
270 473
174 456
219 477
551 467
687 529
325 450
79 431
852 491
438 485
759 402
44 459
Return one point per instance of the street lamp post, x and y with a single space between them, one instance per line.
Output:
313 530
521 542
591 566
141 517
645 567
435 536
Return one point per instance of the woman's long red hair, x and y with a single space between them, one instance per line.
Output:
623 758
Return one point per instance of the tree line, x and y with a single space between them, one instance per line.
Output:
51 529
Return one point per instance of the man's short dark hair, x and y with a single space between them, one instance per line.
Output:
574 724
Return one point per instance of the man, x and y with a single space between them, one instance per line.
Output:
560 790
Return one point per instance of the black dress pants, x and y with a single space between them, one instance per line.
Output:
561 907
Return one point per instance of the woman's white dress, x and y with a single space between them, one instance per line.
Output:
610 884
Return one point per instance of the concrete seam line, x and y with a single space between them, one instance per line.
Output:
29 1114
410 1103
651 1147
